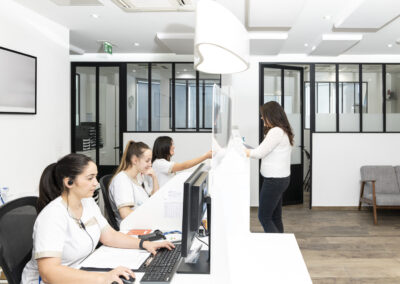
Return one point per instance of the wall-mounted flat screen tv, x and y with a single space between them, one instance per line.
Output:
17 82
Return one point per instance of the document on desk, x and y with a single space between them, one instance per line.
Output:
173 203
108 257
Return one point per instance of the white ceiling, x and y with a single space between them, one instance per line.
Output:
276 27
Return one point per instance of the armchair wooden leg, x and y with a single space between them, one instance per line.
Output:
361 195
374 204
375 215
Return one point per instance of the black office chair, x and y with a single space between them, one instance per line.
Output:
17 218
104 183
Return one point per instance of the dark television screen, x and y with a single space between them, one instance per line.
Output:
17 82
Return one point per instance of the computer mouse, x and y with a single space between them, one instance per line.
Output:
126 281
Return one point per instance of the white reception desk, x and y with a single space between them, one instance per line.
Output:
237 256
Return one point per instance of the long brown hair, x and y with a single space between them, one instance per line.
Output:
51 182
273 113
162 148
132 149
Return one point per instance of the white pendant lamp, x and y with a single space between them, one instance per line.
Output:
221 44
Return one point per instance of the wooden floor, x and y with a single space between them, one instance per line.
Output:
343 246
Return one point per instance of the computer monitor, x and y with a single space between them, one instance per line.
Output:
195 203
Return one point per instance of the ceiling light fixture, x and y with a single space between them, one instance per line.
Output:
221 43
136 44
95 16
327 17
389 45
306 44
313 48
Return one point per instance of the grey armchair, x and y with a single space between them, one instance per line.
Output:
380 188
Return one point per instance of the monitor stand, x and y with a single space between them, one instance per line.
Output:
202 265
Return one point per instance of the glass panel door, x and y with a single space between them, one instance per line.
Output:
109 116
96 116
85 116
284 85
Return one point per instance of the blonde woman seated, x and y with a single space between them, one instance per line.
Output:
134 181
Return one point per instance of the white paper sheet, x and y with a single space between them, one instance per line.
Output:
108 257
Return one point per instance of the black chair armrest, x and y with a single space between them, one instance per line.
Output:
369 180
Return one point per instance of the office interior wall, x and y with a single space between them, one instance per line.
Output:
244 88
187 145
28 143
337 158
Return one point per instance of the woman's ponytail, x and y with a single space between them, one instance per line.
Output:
51 182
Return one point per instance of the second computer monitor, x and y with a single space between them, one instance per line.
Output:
187 233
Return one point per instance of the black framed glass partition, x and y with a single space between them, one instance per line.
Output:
349 98
137 107
372 98
392 98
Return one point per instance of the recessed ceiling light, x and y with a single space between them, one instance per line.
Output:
390 45
306 44
136 44
185 70
313 48
327 17
177 72
133 70
95 16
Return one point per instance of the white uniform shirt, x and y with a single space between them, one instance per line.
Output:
275 151
57 234
124 192
163 170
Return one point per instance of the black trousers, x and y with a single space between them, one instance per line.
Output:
270 205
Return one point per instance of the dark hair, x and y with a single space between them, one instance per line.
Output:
51 182
162 148
131 149
273 113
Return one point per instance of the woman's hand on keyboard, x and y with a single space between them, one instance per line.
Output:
152 247
113 275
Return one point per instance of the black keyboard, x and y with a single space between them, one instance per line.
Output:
163 266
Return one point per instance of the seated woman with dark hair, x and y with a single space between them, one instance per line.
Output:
70 225
164 168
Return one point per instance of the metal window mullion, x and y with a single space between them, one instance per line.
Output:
73 107
312 124
282 88
187 104
197 102
384 96
97 115
149 96
360 97
173 98
337 97
204 103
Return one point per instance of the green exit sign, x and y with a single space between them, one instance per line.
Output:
107 47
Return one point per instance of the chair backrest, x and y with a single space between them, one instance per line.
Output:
385 176
104 184
17 218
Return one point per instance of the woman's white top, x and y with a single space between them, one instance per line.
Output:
275 152
124 191
57 234
163 170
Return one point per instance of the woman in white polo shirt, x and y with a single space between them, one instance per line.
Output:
164 168
275 152
134 181
70 225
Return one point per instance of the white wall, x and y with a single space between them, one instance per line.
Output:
244 89
28 143
187 145
337 159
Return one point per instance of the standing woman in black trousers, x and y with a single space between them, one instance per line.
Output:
275 152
